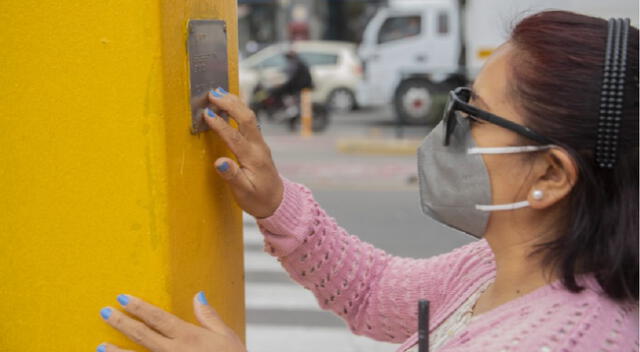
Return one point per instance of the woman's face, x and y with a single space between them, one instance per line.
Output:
508 172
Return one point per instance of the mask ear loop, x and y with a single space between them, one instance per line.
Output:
537 195
507 150
498 207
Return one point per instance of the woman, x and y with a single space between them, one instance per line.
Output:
539 158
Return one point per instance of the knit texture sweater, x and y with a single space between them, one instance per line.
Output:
376 293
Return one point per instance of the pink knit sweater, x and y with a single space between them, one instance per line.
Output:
377 294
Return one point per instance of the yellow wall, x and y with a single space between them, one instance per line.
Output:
103 190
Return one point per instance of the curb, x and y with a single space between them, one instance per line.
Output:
378 146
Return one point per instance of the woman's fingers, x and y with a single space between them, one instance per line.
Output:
245 117
166 323
231 172
206 315
255 181
232 137
216 336
107 347
135 330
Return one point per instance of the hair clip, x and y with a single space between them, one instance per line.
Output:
612 93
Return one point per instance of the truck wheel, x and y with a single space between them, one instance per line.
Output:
414 103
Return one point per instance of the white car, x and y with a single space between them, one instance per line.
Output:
335 68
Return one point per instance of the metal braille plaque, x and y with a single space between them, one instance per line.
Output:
208 66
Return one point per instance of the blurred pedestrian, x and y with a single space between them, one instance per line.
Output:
298 27
539 159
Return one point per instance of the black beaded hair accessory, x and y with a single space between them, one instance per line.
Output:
612 94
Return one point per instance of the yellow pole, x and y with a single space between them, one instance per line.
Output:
306 113
104 190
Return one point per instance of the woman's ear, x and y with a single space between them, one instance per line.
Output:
558 174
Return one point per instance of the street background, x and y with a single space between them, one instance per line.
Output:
372 196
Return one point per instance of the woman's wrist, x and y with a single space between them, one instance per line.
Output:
289 211
277 200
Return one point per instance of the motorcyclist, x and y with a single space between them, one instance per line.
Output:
298 78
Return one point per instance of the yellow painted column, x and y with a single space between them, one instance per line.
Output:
103 189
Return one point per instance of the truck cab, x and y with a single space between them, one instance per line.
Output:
410 53
416 50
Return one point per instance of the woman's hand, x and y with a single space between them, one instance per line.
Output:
255 183
160 331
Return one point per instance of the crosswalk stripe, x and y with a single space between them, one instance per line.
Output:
317 339
286 296
253 236
260 261
247 218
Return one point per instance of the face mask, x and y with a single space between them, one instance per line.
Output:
455 188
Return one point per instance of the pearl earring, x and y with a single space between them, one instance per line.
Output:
537 194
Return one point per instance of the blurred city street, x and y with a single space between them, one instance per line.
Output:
372 196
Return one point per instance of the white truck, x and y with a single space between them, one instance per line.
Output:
414 51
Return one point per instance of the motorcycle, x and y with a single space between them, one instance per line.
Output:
287 109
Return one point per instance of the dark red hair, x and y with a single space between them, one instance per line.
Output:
557 75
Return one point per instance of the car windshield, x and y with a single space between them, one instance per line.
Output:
319 59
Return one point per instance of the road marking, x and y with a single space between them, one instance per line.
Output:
252 235
248 219
285 296
260 261
317 339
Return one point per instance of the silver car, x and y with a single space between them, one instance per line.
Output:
334 66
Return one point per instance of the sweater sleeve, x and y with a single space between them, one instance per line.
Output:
374 292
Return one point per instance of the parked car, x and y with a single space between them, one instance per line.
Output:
334 66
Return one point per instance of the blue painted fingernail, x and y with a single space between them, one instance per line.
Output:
102 348
222 90
214 93
201 298
210 113
105 313
123 299
223 167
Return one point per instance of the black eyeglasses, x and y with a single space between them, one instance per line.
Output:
459 101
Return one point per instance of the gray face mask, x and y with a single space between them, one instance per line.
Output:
455 188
